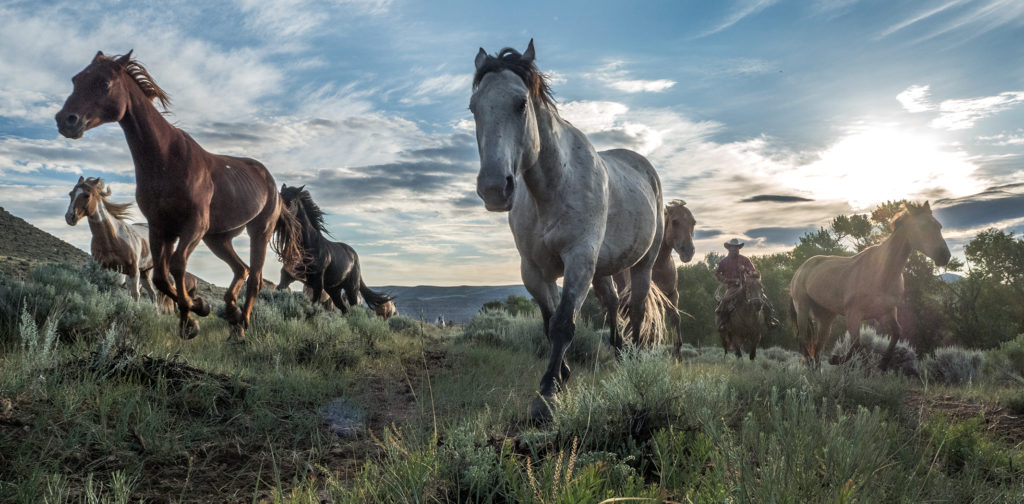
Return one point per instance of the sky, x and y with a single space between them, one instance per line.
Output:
768 117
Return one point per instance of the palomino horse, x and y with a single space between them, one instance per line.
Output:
743 327
329 266
574 212
116 245
868 285
186 193
679 225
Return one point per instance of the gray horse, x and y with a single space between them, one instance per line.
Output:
575 213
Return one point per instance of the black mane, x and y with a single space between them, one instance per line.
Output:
312 211
526 69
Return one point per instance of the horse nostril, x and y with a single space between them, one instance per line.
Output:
71 119
510 184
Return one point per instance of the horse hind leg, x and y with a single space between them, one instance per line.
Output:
259 240
608 297
187 243
221 247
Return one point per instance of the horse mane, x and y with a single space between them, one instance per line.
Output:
675 203
910 210
510 59
98 187
315 215
141 76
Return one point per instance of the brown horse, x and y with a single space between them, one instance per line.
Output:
679 225
743 326
186 193
868 285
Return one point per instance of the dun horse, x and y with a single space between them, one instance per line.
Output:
868 285
329 266
743 328
574 212
679 225
186 193
116 245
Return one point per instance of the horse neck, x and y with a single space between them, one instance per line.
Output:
148 133
104 232
896 251
558 142
665 252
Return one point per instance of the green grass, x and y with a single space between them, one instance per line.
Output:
123 411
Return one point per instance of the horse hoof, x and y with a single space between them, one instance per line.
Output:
189 329
237 335
540 410
200 307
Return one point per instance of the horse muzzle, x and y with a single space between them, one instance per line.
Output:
71 218
496 193
70 125
685 253
942 258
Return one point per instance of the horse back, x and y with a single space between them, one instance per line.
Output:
242 190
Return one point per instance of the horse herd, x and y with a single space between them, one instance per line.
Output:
593 219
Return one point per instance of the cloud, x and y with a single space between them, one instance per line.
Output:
963 113
918 18
743 10
1004 139
915 99
615 77
431 88
288 19
774 198
780 235
984 209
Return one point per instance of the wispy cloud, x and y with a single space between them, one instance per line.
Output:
921 16
744 9
962 114
916 99
615 76
1004 139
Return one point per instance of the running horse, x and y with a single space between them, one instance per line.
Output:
329 266
679 225
743 327
868 285
186 193
574 212
116 245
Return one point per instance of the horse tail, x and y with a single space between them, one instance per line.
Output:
656 306
372 298
287 242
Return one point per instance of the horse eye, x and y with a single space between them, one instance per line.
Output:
521 106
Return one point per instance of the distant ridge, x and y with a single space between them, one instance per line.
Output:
456 304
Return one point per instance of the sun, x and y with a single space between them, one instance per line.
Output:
880 163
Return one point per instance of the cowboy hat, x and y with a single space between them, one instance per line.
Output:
734 243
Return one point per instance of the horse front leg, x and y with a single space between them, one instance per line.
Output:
579 272
853 321
133 282
259 240
187 243
220 245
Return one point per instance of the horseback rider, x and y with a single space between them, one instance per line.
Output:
730 272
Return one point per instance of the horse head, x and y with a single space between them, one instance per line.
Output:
753 289
679 224
85 196
101 93
923 232
506 90
290 196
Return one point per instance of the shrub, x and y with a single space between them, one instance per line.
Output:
874 346
401 323
526 333
1007 361
954 365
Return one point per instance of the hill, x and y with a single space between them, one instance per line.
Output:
25 246
456 304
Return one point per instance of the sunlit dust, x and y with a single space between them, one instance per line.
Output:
882 163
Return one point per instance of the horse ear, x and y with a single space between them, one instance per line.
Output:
99 56
80 179
928 206
530 53
124 60
282 187
481 57
302 187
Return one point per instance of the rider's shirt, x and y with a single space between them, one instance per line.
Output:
732 268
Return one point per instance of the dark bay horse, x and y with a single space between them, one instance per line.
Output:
186 193
743 328
679 226
868 285
574 212
329 266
